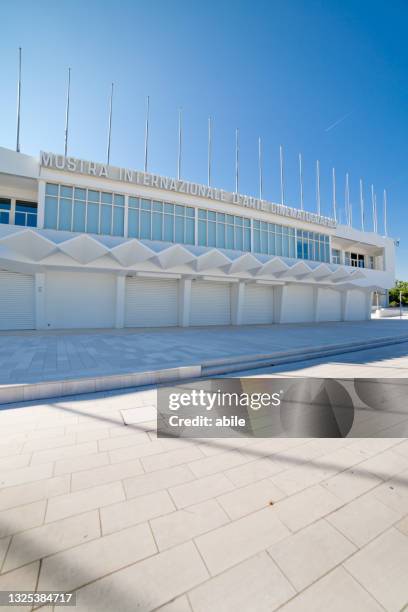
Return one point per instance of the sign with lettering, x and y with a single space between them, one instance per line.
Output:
79 166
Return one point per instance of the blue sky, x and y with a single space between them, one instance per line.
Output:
285 70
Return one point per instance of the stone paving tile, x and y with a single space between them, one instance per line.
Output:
82 564
305 507
200 489
394 493
310 553
217 463
14 461
336 592
156 481
181 604
80 501
351 483
50 538
146 585
253 471
250 498
65 452
170 458
381 567
22 579
403 525
232 543
109 444
9 478
255 585
49 443
4 544
183 525
86 462
137 510
363 519
107 473
21 518
33 491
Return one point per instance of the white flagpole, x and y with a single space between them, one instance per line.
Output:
385 213
348 205
375 212
67 113
334 194
361 205
209 151
260 166
281 175
109 127
301 180
318 186
236 160
146 147
18 101
373 207
179 144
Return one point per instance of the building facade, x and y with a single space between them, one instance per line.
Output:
85 245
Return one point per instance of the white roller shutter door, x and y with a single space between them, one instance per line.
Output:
210 303
258 304
17 310
151 302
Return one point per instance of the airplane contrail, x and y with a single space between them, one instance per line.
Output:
340 120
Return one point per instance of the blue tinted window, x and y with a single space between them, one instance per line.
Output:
134 203
119 200
65 212
179 230
79 216
80 194
93 196
118 221
65 192
211 234
20 218
50 213
51 189
229 238
189 231
168 228
133 223
4 216
92 219
106 219
106 198
157 233
202 233
145 224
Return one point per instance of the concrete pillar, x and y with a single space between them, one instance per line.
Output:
369 302
41 204
120 302
237 302
345 301
39 293
317 292
184 302
280 296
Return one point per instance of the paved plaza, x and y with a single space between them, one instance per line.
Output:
132 522
34 356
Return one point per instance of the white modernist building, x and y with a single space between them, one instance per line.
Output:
86 245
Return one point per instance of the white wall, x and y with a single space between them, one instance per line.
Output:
357 306
297 304
329 305
79 299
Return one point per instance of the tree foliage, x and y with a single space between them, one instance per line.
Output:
400 287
